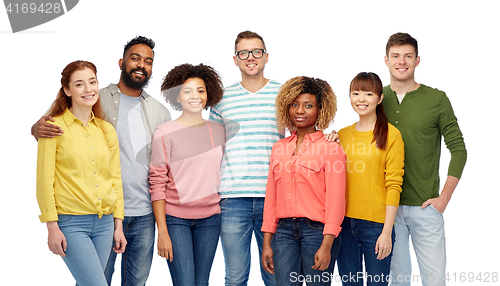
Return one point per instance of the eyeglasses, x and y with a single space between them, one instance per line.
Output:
257 53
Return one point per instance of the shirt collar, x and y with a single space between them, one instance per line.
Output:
309 138
69 118
114 89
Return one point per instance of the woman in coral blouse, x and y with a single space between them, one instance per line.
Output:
305 195
184 175
79 185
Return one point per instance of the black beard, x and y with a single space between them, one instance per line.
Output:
130 82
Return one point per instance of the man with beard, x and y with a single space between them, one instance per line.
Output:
135 116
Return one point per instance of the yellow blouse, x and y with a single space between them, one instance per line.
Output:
78 173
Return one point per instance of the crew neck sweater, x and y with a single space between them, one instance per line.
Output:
191 157
373 176
424 117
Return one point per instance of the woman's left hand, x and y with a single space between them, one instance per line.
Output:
120 241
322 259
383 247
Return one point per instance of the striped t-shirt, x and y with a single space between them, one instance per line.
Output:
250 123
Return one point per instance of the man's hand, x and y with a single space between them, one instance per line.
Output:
119 237
267 259
43 129
440 203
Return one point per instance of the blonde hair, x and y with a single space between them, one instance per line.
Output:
326 101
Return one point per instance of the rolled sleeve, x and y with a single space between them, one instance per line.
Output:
335 179
115 169
45 191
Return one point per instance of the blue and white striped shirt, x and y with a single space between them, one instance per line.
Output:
250 123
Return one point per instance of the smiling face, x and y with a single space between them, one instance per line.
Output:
136 66
193 95
251 67
365 102
83 89
402 62
304 113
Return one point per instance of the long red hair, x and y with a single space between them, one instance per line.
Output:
63 101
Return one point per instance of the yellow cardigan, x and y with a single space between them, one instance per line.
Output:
79 172
374 176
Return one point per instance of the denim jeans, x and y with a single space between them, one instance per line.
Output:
294 245
240 218
426 229
359 238
139 232
89 241
194 242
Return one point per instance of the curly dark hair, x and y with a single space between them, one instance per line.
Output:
139 40
325 98
177 76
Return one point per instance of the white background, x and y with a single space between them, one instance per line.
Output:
458 45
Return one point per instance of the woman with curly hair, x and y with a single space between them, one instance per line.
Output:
305 195
185 175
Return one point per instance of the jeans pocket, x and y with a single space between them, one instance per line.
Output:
64 219
434 209
222 201
280 221
315 224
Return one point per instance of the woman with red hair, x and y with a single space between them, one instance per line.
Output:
79 187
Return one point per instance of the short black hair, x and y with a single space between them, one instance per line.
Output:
139 40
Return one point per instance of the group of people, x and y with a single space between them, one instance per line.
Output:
310 199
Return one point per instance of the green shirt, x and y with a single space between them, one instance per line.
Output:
423 116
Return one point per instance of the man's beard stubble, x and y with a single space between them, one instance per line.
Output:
130 82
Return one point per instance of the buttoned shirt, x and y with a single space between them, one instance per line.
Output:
310 183
78 172
425 117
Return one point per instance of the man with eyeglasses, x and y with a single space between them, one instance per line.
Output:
248 115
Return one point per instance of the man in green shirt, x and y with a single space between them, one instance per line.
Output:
423 115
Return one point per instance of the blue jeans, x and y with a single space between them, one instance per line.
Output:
359 238
89 241
426 228
136 260
194 242
294 245
240 218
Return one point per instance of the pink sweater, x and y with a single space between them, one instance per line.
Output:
191 157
